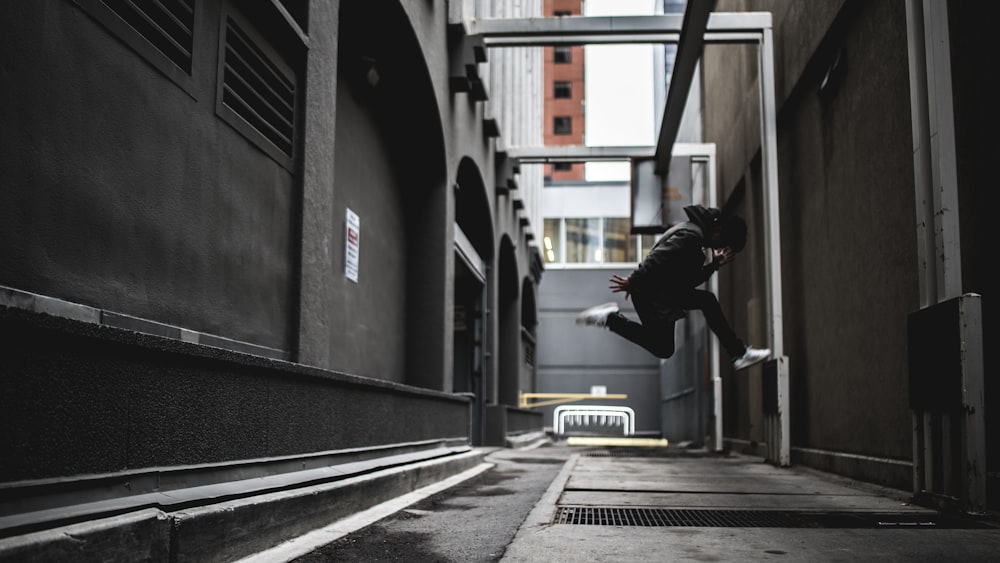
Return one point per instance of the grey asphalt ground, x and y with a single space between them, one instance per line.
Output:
471 522
547 505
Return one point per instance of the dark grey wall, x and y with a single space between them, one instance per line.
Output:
977 118
372 345
123 191
572 358
848 228
112 400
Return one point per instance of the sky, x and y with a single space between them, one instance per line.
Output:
619 91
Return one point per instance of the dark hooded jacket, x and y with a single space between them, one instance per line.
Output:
677 262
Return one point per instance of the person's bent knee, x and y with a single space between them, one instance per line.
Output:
662 352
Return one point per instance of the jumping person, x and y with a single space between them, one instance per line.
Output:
664 286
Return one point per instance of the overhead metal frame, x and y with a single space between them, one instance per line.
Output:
577 153
736 28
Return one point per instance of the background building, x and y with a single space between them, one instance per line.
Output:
564 94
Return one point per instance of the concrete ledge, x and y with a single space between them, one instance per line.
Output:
229 530
891 473
528 440
164 497
235 529
139 536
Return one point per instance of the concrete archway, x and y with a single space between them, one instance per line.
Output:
390 169
508 324
529 324
473 264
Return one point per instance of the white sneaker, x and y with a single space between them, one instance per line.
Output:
750 357
597 316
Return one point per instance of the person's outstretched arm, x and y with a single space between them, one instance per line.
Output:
619 285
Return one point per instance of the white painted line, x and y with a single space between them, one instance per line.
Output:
301 545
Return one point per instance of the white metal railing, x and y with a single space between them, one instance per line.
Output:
593 415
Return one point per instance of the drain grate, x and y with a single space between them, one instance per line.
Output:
636 516
632 516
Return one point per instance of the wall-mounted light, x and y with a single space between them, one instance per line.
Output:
370 71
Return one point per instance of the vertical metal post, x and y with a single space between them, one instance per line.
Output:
972 419
781 434
715 368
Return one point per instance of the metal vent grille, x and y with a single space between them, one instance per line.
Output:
632 516
636 516
257 90
167 24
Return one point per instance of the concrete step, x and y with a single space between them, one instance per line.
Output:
236 527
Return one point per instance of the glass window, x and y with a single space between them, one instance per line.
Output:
619 245
562 125
583 240
646 242
552 241
562 166
563 54
563 89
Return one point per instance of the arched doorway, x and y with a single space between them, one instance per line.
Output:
473 258
529 324
508 324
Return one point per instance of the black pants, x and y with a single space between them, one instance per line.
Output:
658 315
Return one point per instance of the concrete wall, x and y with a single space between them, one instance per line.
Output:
846 181
977 117
125 192
135 204
84 400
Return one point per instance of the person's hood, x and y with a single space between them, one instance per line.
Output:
703 217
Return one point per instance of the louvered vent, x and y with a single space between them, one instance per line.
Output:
256 90
167 24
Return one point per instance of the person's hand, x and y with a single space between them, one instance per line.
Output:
619 285
723 256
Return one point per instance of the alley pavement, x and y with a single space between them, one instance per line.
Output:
559 503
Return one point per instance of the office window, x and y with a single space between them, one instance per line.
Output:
619 246
552 240
583 240
646 243
562 166
594 241
562 89
563 54
562 125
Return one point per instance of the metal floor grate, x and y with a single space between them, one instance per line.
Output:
636 516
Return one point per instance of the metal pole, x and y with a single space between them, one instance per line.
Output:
772 219
715 367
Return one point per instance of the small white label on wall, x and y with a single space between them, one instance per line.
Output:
353 246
